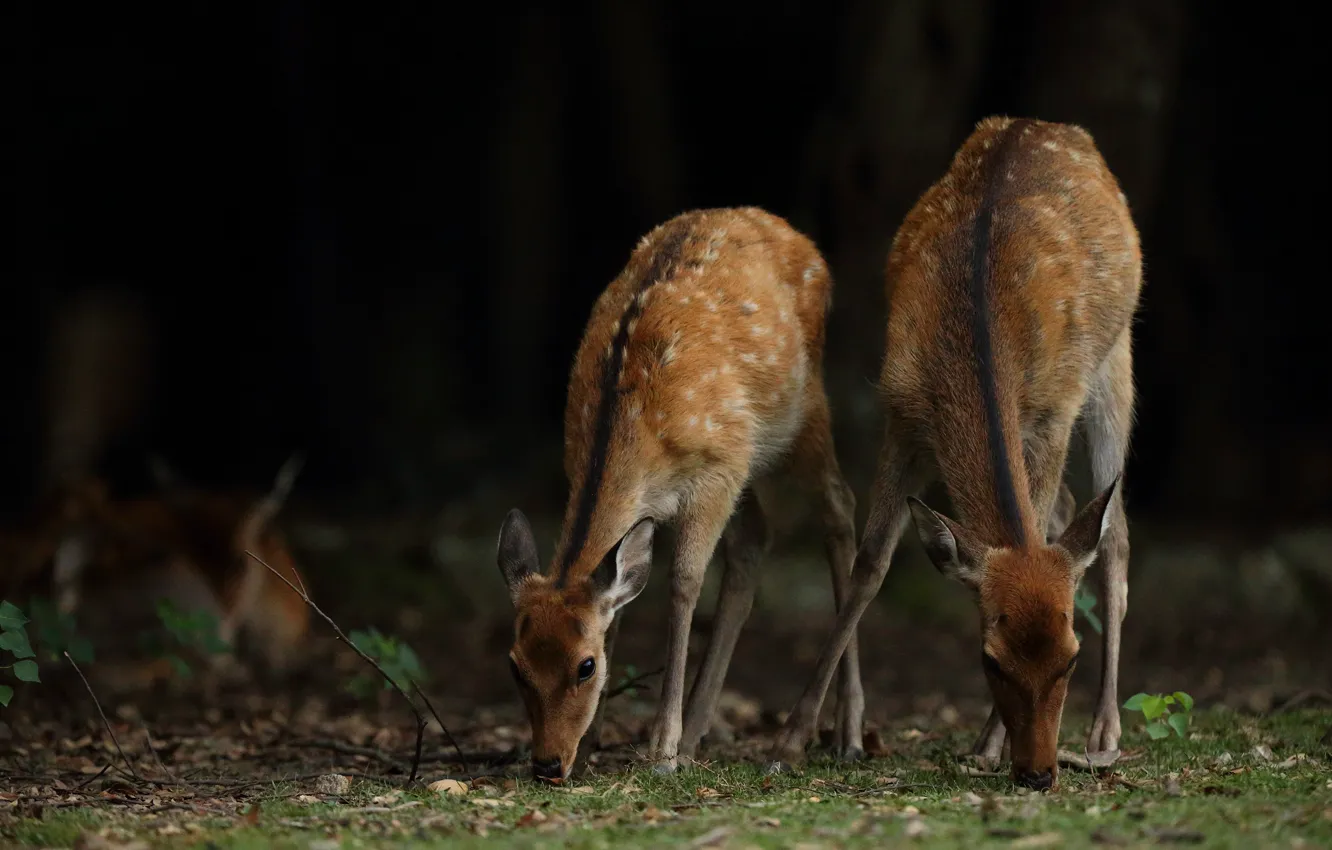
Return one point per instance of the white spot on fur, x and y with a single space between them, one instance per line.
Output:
635 409
775 397
759 330
1008 175
1049 145
711 305
669 287
749 308
781 343
810 272
693 420
710 375
726 368
1069 183
1061 235
684 300
772 359
709 424
782 315
1026 131
587 410
1122 198
689 395
661 414
748 358
633 324
987 144
1074 155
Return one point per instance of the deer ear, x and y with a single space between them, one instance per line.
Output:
947 543
623 573
517 552
1082 538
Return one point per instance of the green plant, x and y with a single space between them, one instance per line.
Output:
1085 601
397 659
56 632
187 632
14 639
629 682
1161 718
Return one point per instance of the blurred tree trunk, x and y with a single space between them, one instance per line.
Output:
646 149
529 214
1111 66
910 72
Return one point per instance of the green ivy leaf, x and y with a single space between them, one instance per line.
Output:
1180 723
1169 700
6 694
178 664
1153 707
10 616
16 641
80 649
1134 703
1157 730
1184 700
26 671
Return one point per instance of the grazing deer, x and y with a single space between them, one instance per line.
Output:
186 538
699 377
1012 286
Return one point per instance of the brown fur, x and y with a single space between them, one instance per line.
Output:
200 536
699 374
1059 283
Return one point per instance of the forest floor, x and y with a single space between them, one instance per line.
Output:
1237 781
199 762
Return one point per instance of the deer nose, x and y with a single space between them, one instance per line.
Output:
1036 780
548 769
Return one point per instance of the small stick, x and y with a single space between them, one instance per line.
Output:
420 718
457 749
632 683
153 749
105 722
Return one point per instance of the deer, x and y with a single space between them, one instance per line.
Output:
1012 286
697 382
189 539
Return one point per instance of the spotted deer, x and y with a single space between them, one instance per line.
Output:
698 378
1012 285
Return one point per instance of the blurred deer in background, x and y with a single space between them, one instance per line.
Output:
1012 286
699 376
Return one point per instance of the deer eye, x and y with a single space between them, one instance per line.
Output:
586 669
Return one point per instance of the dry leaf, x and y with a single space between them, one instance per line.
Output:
582 789
712 837
451 787
1040 839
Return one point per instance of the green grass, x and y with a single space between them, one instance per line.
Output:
1178 792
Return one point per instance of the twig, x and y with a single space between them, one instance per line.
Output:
105 722
349 750
447 734
148 736
91 779
632 683
420 718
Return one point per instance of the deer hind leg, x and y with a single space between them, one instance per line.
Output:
815 464
899 475
698 532
1108 423
744 545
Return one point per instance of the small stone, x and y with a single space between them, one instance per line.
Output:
333 783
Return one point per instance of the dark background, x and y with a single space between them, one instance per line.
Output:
374 233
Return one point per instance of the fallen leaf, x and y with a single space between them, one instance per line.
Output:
712 838
252 815
768 822
1040 839
535 816
451 787
582 789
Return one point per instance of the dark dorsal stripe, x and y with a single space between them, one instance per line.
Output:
668 253
982 347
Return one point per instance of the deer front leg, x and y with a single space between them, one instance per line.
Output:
744 544
1108 425
897 479
698 534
